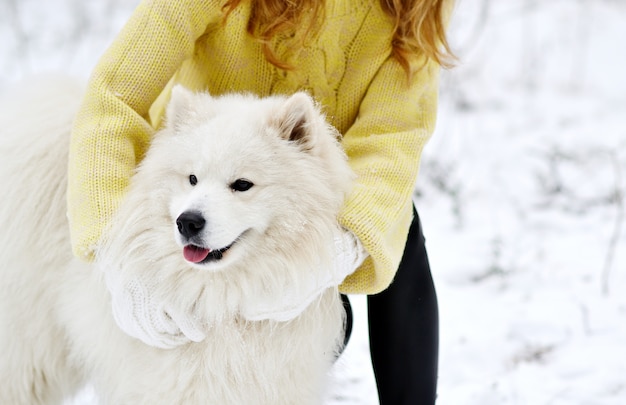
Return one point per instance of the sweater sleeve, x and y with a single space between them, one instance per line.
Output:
111 130
384 145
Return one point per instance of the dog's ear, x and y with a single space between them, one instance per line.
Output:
296 119
178 106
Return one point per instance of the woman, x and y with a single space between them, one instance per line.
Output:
372 65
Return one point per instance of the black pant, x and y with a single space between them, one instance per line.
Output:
404 329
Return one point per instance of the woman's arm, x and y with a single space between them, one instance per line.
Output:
111 131
384 145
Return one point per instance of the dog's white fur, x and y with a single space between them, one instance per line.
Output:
56 326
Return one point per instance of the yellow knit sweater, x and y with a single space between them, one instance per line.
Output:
385 121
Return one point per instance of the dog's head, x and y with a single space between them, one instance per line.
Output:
232 180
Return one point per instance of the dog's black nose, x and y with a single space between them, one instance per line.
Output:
190 223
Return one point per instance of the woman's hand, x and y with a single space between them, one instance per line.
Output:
293 300
140 314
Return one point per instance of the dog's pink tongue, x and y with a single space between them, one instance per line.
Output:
195 254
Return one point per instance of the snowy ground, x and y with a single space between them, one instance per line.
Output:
521 194
522 198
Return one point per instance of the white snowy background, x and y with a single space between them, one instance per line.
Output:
521 194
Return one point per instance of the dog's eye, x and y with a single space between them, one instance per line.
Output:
193 180
241 185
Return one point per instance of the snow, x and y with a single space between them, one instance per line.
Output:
521 194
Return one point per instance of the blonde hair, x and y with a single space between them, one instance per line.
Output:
419 28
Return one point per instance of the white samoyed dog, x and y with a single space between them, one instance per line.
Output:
235 201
